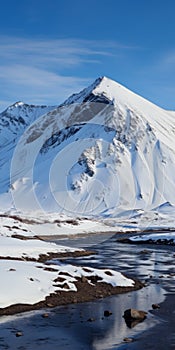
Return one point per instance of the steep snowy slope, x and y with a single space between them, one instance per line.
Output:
103 151
16 118
13 121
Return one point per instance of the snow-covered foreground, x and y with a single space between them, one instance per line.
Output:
30 282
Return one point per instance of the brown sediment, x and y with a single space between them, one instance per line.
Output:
23 238
50 256
75 254
85 292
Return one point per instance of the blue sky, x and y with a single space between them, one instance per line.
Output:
52 48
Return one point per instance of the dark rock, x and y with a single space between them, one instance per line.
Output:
128 340
49 305
19 334
109 273
107 313
144 251
45 315
91 319
133 314
155 306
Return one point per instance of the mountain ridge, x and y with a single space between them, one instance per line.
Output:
103 151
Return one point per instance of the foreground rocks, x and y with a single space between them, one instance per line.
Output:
133 314
155 306
133 317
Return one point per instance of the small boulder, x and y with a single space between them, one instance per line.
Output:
128 340
133 314
155 306
49 305
91 319
107 313
144 251
19 334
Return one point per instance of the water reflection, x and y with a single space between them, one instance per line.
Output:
68 327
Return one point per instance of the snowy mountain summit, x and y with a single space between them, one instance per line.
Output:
103 151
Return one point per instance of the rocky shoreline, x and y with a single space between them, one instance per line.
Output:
88 288
85 293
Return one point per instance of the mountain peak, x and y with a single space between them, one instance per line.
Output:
102 79
16 104
88 94
106 90
114 147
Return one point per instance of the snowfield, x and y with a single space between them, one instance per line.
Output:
16 248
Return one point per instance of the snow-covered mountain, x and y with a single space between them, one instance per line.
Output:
13 121
103 151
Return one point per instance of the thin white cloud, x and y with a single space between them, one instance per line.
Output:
165 62
34 70
64 52
33 85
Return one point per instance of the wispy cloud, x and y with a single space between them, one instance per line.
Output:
34 70
34 85
58 51
164 62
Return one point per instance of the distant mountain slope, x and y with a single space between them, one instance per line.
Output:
103 151
16 118
13 122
